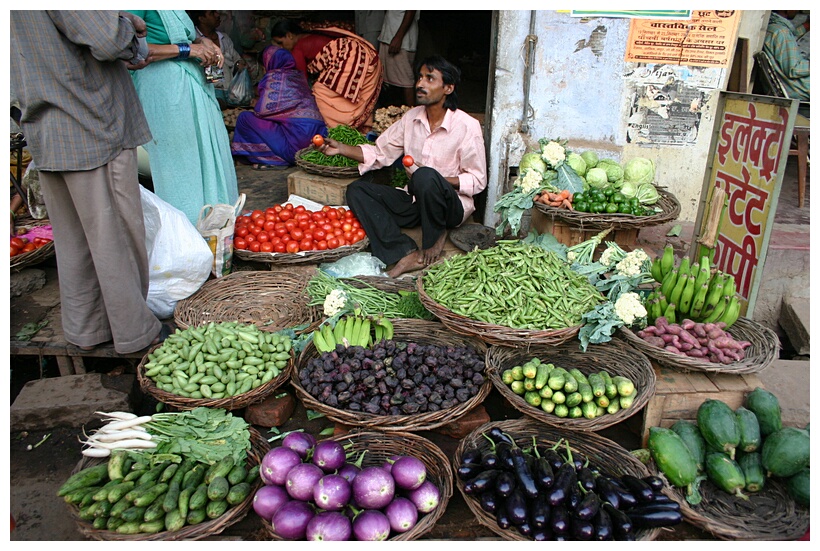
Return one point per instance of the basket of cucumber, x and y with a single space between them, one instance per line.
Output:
530 509
130 518
567 387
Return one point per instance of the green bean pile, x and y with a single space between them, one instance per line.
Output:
513 285
344 134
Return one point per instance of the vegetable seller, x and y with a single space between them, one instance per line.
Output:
83 122
449 169
781 44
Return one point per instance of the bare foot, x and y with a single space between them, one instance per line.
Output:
431 255
413 261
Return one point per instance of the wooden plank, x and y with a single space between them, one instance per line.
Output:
727 382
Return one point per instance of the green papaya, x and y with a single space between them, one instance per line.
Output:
726 474
786 452
766 407
799 487
689 432
753 473
750 437
672 456
718 425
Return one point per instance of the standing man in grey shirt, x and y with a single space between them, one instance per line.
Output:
83 121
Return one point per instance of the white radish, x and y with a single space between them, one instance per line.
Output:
134 443
121 415
128 423
96 452
121 435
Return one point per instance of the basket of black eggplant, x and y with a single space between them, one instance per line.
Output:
527 481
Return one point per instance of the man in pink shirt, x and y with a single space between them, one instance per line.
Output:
449 169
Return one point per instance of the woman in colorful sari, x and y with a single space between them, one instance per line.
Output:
285 116
347 70
190 152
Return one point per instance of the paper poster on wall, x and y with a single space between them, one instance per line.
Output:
706 39
667 102
649 14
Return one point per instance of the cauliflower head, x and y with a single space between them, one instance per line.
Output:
335 302
554 153
530 181
633 263
630 308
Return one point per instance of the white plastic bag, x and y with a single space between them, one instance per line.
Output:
241 89
179 261
215 224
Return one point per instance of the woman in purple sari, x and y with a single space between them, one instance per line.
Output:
284 119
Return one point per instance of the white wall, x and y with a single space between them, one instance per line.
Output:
580 91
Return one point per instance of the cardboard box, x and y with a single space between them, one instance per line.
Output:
678 395
322 189
569 235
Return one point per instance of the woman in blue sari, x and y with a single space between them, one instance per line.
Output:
285 116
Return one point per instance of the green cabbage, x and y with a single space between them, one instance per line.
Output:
532 160
639 170
629 189
577 163
596 177
647 194
590 158
614 172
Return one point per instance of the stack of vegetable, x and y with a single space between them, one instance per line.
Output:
634 179
314 491
545 493
352 330
195 469
738 451
705 341
569 393
218 360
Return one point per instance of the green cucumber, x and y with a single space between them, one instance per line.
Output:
237 474
766 406
786 452
171 500
726 474
149 497
253 474
799 487
218 488
672 456
597 384
90 476
199 498
753 473
718 425
216 509
219 469
691 436
750 437
195 516
174 520
238 493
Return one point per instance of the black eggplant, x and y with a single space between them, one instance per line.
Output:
603 526
481 483
554 458
588 507
579 461
638 488
655 482
564 480
668 506
471 456
587 479
497 436
621 524
627 499
606 491
559 520
524 529
574 498
490 460
662 498
502 519
523 475
652 517
539 512
543 474
505 484
516 506
581 529
541 534
466 471
489 501
502 450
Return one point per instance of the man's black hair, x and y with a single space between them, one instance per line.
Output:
285 26
450 74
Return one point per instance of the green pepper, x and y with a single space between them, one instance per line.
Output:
580 196
611 207
580 206
596 207
624 208
618 197
609 192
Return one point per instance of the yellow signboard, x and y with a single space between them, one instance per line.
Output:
748 156
707 39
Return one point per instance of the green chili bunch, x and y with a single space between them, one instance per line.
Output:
344 134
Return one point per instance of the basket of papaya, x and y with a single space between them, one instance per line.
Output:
225 365
511 294
567 387
738 474
198 479
528 481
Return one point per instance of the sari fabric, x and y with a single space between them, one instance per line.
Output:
285 116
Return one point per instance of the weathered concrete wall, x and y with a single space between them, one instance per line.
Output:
580 90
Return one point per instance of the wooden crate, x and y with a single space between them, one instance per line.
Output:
568 235
322 189
678 395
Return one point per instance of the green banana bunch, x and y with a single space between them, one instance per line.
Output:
732 312
667 260
718 311
323 339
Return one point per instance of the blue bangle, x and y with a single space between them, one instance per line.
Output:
184 50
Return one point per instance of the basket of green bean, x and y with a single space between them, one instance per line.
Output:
512 294
314 161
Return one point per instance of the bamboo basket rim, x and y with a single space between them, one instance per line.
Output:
245 296
303 257
763 352
31 258
211 527
229 403
439 470
616 357
322 170
600 451
426 332
669 204
491 333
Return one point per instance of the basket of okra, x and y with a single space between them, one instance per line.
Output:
311 160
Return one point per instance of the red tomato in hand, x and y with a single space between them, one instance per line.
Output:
407 161
318 140
18 242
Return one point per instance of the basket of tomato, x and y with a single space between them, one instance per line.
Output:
31 246
294 234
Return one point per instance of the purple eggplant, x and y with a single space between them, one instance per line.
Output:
402 514
301 481
291 520
350 470
373 488
268 499
300 442
409 472
329 526
276 463
328 455
332 492
371 525
426 497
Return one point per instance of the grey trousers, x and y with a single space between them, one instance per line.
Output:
99 240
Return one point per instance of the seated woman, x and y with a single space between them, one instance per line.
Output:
285 116
347 70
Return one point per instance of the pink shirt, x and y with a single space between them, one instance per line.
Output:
456 148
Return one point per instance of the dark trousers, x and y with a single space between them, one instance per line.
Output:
383 211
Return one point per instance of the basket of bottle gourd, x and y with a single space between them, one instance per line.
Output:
694 322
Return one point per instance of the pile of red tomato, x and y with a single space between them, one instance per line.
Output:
290 229
20 245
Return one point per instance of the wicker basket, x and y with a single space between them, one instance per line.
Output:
421 331
491 333
380 447
31 258
322 170
764 350
669 205
603 454
229 403
304 257
270 300
616 357
770 514
259 447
